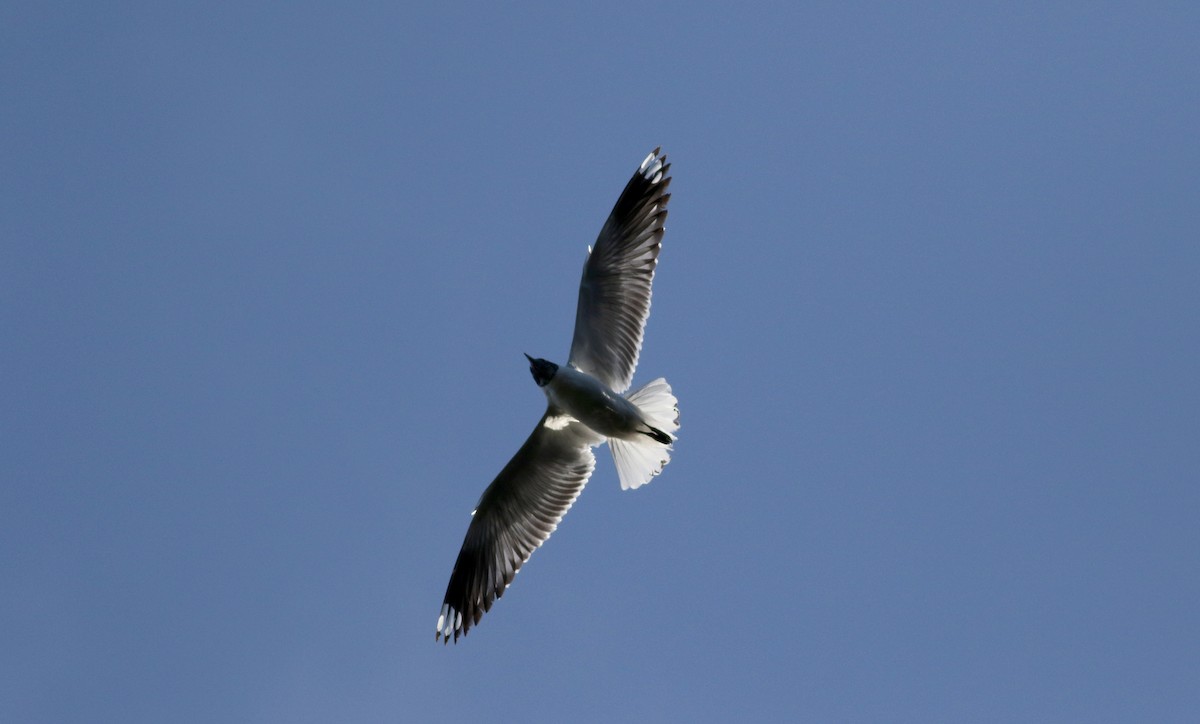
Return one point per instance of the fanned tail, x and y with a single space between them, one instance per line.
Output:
641 459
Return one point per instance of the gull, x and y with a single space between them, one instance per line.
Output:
586 407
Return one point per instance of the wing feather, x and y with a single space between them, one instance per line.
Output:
515 515
614 293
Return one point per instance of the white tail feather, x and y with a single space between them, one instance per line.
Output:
638 461
642 458
658 405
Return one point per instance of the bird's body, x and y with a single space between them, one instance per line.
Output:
587 405
590 401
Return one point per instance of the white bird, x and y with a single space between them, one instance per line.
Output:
586 407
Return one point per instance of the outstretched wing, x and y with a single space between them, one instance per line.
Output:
515 515
614 294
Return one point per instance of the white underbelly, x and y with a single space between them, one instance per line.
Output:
588 400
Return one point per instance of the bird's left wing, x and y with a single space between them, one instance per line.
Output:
614 293
515 515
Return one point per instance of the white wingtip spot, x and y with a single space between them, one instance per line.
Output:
444 627
651 169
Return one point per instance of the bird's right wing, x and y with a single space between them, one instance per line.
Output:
515 515
614 293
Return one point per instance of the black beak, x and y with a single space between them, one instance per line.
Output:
528 358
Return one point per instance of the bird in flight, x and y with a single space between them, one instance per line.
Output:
586 407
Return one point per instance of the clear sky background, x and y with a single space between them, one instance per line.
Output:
929 298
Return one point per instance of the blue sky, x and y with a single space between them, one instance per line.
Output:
928 298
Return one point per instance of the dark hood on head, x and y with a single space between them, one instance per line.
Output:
541 370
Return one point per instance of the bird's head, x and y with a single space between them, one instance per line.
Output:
541 370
